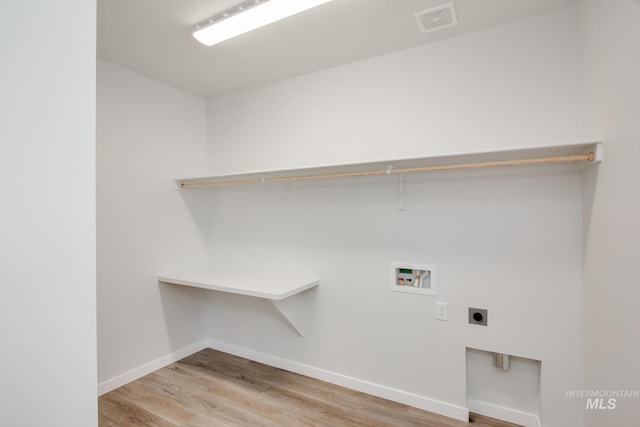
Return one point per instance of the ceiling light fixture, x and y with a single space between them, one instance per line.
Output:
247 17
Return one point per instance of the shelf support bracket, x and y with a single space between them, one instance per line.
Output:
278 305
283 195
400 191
399 186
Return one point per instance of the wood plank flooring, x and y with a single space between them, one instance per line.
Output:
211 388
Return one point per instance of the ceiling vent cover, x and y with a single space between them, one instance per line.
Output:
437 18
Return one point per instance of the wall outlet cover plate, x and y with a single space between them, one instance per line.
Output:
442 311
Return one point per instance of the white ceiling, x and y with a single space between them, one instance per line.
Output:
153 37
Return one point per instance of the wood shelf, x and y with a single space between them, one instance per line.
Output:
582 153
275 289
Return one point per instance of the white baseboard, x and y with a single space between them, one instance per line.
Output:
147 368
505 414
417 401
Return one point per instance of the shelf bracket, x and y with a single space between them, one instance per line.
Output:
399 186
279 306
283 194
400 191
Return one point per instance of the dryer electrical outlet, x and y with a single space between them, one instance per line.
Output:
478 316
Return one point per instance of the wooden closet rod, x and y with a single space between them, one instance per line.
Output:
390 171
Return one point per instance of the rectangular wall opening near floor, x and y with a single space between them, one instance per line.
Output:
505 387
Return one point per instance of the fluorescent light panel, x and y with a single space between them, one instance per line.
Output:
248 17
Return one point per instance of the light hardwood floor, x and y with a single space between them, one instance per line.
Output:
211 388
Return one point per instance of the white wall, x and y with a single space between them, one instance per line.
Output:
508 243
147 135
612 348
509 86
47 231
511 242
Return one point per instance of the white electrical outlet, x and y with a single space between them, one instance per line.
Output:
441 311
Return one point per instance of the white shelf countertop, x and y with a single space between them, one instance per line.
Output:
257 285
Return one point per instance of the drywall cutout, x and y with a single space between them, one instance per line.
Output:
413 278
506 394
